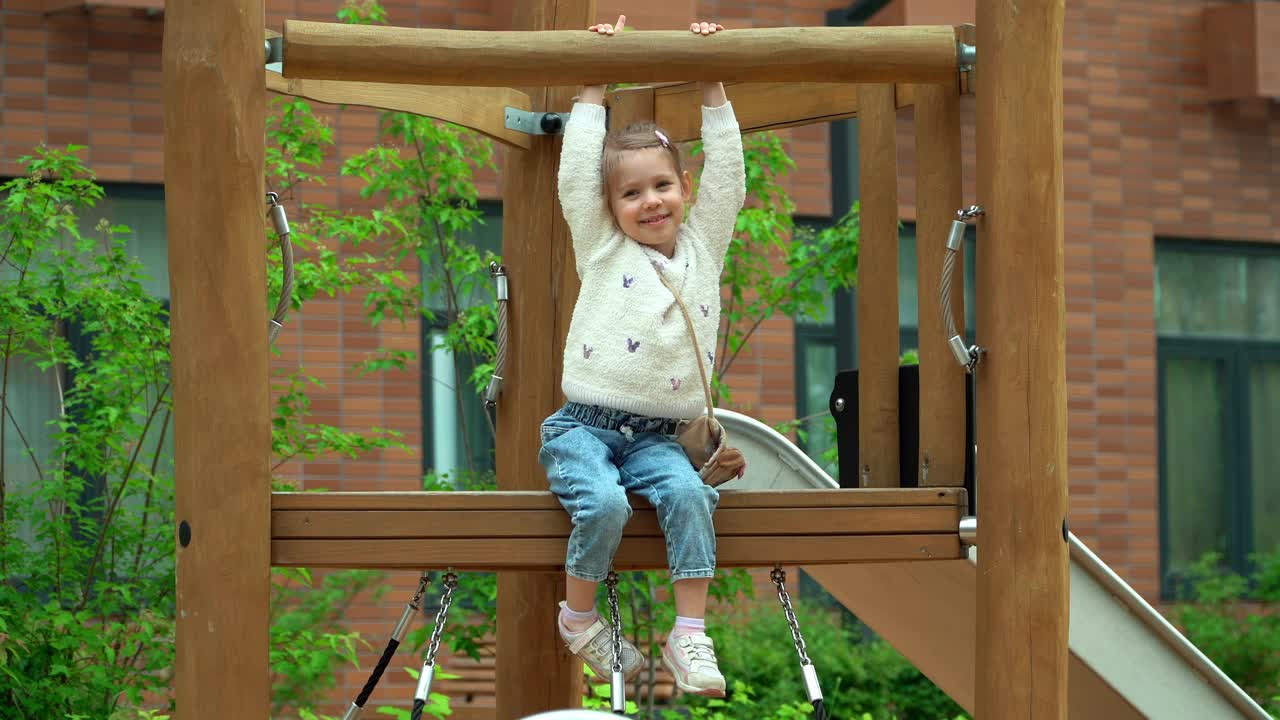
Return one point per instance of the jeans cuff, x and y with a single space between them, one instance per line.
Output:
692 574
588 577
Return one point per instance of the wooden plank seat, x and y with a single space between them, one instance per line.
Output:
528 530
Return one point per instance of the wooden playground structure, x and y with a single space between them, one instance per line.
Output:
232 529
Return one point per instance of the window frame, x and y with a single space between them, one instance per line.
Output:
1237 355
489 208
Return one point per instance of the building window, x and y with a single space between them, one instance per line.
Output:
1217 312
33 396
456 434
818 340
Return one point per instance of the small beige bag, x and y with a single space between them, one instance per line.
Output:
704 439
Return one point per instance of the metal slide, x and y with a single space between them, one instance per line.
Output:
1126 660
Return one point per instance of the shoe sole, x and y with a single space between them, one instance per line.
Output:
675 675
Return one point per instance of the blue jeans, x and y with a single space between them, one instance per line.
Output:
594 457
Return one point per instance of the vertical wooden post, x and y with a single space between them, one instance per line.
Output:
214 105
938 197
878 288
535 673
1022 425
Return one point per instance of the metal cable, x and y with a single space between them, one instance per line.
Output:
491 393
965 355
948 271
397 636
281 225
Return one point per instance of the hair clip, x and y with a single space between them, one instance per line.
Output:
663 139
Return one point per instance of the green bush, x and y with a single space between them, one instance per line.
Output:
1235 621
858 675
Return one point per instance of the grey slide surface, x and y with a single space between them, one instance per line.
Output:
1126 660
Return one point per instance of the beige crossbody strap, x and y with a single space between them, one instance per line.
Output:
693 337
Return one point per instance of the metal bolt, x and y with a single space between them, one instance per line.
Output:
552 123
839 404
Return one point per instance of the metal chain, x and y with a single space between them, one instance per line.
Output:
611 584
779 578
450 583
416 601
976 353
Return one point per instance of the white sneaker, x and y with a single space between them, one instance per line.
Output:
692 660
595 646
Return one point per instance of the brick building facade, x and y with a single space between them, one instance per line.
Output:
1151 163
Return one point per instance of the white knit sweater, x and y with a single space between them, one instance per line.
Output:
628 347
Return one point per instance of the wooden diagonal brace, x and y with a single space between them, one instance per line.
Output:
480 109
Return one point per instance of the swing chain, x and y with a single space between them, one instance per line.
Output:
611 585
617 681
779 578
416 601
450 584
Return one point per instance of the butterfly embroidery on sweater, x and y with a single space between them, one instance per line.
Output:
711 359
706 311
675 384
586 352
628 280
632 346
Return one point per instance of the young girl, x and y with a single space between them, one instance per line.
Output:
629 368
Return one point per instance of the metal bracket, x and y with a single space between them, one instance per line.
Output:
274 49
535 123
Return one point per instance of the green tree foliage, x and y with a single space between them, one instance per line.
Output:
86 551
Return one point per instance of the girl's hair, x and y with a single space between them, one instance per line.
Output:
637 136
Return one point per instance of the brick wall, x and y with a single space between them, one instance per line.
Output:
1145 156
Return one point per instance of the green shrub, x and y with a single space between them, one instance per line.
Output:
858 675
1235 621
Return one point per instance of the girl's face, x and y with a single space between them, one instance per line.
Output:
648 197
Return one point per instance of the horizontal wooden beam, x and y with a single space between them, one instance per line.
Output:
480 109
528 530
644 523
368 53
543 500
635 553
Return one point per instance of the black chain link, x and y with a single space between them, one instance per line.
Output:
779 578
450 584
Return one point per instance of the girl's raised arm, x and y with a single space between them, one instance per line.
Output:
723 187
580 180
